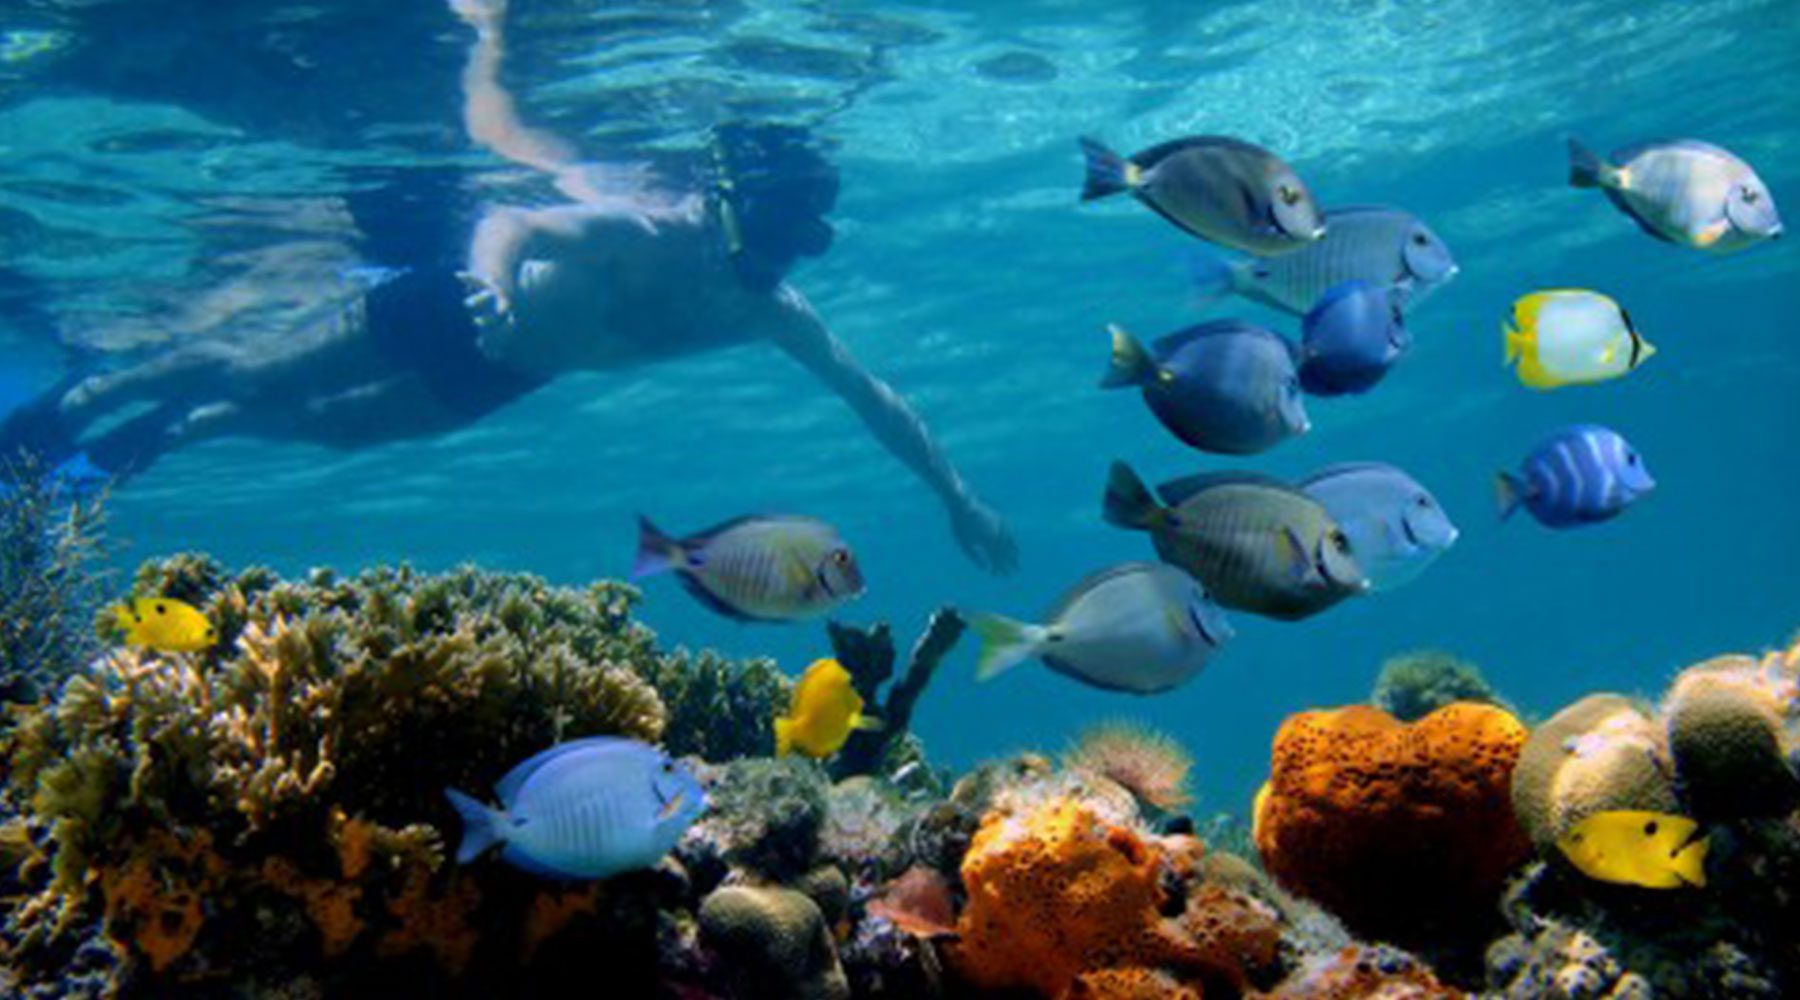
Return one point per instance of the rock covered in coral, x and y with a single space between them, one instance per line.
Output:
275 803
764 817
1405 832
1364 973
1066 905
1734 735
1599 754
1416 684
1150 765
777 942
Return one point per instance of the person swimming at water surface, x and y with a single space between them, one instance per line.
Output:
622 275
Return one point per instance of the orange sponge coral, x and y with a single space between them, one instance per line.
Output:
1068 906
1400 830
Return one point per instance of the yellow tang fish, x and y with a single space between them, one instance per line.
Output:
1630 847
1570 336
165 625
825 709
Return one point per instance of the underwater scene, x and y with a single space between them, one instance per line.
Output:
786 500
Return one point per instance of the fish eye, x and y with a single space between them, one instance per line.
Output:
162 609
1631 459
841 557
1340 541
1424 502
1420 239
1650 829
1289 194
668 766
1751 195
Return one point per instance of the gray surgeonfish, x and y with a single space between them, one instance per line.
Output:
1224 190
1257 544
1384 246
1140 627
1683 191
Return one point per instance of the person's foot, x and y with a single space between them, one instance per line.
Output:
985 538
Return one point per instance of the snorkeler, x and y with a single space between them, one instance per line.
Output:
622 276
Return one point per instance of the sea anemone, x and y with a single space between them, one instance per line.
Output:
1147 763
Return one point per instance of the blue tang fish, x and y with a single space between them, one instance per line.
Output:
1396 527
1351 337
1224 386
1580 475
584 809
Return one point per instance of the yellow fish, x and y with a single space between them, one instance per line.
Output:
1570 336
1630 847
825 710
165 625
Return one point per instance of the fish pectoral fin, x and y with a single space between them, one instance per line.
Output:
866 723
1293 552
1712 234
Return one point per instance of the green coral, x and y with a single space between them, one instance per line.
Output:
719 709
766 816
50 538
291 778
1413 685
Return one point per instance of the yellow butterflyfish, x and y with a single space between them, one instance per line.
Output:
1632 847
1570 336
824 711
165 625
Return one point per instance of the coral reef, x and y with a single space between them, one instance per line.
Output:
274 804
1148 764
1364 973
1718 748
1415 684
764 817
1403 831
51 536
868 654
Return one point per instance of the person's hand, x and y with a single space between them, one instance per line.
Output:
984 537
490 308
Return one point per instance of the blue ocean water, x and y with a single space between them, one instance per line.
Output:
172 172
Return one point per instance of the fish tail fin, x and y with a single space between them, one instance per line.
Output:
1508 493
656 552
784 737
1108 173
1586 169
867 723
1131 364
1004 644
480 831
1213 276
1129 503
126 621
1514 341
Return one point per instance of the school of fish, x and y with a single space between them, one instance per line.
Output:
593 807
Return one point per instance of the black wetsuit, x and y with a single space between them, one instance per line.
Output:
419 322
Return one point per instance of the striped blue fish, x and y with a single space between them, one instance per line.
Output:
1580 475
588 808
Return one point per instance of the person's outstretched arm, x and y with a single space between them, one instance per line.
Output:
489 113
980 531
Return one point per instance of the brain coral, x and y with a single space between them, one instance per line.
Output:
1066 905
1600 753
1730 738
1400 830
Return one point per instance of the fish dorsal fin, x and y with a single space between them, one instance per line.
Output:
1148 158
1179 491
507 788
1344 469
1091 581
1170 343
698 538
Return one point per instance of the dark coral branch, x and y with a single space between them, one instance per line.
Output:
869 656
